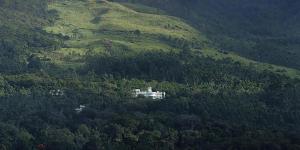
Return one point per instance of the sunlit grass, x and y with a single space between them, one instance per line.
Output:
89 25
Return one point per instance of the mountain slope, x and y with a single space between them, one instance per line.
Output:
67 75
266 31
21 33
110 28
105 27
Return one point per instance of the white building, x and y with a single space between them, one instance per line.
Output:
57 92
149 93
80 109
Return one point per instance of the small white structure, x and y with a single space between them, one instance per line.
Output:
149 93
80 108
57 92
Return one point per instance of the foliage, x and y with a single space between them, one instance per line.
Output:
215 99
260 30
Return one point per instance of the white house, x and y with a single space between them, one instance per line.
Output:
149 93
57 92
80 109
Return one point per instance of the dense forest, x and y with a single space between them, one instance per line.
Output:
210 103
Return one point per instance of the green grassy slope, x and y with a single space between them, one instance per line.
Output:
126 29
144 9
99 27
266 31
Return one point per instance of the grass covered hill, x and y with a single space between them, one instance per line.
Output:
260 30
58 55
105 27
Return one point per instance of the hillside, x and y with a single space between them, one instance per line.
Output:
259 30
111 28
103 29
21 33
68 69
